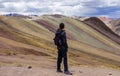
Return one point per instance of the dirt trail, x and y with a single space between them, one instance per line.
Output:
81 71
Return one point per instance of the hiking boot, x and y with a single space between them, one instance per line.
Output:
59 71
68 72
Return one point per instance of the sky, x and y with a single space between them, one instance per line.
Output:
107 8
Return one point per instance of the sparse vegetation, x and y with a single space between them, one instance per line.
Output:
87 46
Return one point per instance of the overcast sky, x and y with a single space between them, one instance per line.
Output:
110 8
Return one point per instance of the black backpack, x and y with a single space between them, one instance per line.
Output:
58 39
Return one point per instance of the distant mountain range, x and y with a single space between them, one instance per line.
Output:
110 22
15 14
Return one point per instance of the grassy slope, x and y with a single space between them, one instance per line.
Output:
82 32
85 43
11 28
88 39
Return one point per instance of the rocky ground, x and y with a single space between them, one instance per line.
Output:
77 71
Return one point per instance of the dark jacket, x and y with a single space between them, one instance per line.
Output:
63 37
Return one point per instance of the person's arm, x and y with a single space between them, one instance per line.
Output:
64 39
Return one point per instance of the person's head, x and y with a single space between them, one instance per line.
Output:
61 26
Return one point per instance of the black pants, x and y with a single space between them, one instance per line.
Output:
62 54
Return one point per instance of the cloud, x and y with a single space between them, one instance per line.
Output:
74 10
115 14
14 7
3 1
65 7
9 1
110 3
1 6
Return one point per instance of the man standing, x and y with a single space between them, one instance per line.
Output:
62 46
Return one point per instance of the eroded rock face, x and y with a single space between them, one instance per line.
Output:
100 26
118 31
116 26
